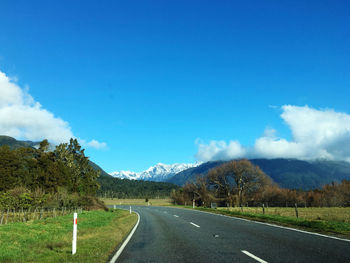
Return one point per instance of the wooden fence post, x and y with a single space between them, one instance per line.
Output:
24 215
296 210
263 207
2 216
7 214
34 214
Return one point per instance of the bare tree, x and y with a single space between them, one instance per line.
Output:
238 179
199 191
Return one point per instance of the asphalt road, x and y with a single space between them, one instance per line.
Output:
179 235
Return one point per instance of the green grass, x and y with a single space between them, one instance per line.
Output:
154 202
339 228
50 240
335 214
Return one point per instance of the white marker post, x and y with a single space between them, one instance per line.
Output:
75 229
130 209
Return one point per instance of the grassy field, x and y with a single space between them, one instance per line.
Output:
334 214
50 240
155 202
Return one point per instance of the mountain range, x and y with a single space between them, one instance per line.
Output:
287 173
158 173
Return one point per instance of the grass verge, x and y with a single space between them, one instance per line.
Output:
341 229
50 240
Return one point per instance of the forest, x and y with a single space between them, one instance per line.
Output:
123 188
241 183
40 177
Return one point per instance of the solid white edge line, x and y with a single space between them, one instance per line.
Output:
253 256
120 250
268 224
194 224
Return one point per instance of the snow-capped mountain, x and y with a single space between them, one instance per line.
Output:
158 173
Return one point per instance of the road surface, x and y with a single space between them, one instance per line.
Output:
168 234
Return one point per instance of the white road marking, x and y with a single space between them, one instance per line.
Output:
194 224
268 224
176 216
120 250
253 256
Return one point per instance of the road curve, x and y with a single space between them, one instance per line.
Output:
168 234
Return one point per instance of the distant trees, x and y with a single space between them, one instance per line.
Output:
40 173
198 191
241 183
123 188
237 180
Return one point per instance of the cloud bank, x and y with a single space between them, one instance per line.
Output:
315 134
24 118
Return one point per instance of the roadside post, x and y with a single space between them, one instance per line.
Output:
296 210
130 209
193 203
263 206
75 228
114 206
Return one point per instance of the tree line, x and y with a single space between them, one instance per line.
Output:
240 183
32 177
124 188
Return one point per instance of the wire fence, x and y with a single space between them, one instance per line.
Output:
12 215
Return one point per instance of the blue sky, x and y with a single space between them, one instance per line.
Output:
177 81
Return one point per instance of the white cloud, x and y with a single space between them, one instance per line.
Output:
316 134
219 150
24 118
96 144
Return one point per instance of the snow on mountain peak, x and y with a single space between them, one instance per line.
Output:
158 173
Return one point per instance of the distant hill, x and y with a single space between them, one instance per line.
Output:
96 167
288 173
13 143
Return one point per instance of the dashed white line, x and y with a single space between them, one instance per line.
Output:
273 225
194 224
253 256
176 216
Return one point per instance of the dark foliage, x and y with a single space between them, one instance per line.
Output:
123 188
30 176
